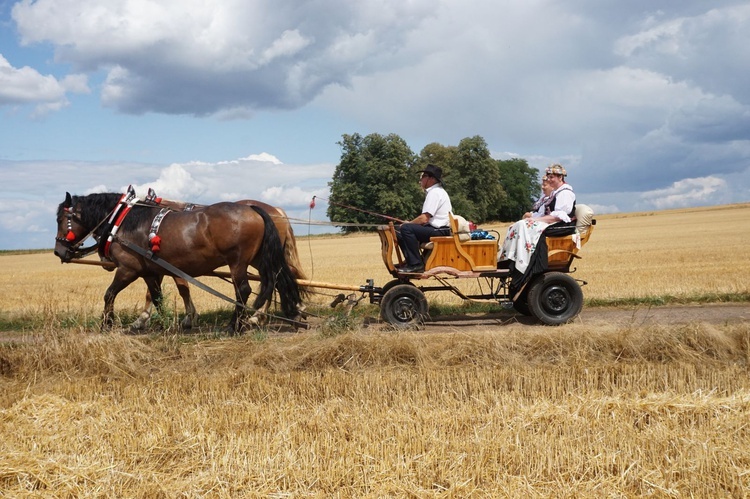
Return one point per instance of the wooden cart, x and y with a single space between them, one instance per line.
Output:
553 297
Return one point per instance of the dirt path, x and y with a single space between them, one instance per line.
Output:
714 313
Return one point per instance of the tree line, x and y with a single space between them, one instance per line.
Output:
378 174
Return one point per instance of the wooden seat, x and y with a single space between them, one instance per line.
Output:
443 251
450 251
561 251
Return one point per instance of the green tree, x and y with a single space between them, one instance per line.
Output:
479 179
374 175
522 186
470 176
377 174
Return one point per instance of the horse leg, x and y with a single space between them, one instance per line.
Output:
190 312
154 289
144 318
260 317
121 280
242 292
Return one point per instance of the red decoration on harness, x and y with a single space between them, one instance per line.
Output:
155 244
70 236
157 200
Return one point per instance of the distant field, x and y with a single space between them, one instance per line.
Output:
346 410
680 253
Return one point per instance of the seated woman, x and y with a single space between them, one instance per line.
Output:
523 236
540 205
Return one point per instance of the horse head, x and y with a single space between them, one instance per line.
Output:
70 230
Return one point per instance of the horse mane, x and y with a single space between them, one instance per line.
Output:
97 207
94 207
140 216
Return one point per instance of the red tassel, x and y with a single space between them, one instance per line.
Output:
157 200
155 244
70 236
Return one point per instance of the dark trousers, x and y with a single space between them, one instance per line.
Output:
410 235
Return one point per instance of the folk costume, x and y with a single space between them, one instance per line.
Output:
522 238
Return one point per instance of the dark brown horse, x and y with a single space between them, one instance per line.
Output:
196 242
288 241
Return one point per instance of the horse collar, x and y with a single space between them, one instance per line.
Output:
127 201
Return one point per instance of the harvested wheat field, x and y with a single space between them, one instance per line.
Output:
351 408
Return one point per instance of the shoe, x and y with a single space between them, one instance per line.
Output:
412 269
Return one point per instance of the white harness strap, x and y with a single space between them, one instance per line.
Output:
153 238
127 201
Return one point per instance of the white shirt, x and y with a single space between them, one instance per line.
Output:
438 204
564 200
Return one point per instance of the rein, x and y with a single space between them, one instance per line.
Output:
312 205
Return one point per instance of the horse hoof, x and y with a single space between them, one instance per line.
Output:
137 325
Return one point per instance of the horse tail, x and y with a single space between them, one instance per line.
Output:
290 253
275 272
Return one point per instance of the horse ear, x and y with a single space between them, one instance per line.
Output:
68 200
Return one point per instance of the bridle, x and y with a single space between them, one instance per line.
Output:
69 241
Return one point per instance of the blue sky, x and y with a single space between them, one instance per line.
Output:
645 102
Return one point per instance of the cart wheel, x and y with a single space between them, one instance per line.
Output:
403 306
391 284
555 298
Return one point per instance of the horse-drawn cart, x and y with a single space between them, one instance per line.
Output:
552 296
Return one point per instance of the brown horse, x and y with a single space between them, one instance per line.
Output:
286 234
196 242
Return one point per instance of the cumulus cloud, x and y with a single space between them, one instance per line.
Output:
173 182
688 192
257 176
707 47
205 57
22 86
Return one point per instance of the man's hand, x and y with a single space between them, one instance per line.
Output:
422 219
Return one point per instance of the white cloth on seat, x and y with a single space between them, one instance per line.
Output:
584 216
520 242
464 231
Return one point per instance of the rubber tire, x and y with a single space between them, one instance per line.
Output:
391 284
404 306
555 298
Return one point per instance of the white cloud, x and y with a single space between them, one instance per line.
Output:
174 182
264 157
688 192
288 44
252 54
291 196
21 86
257 176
